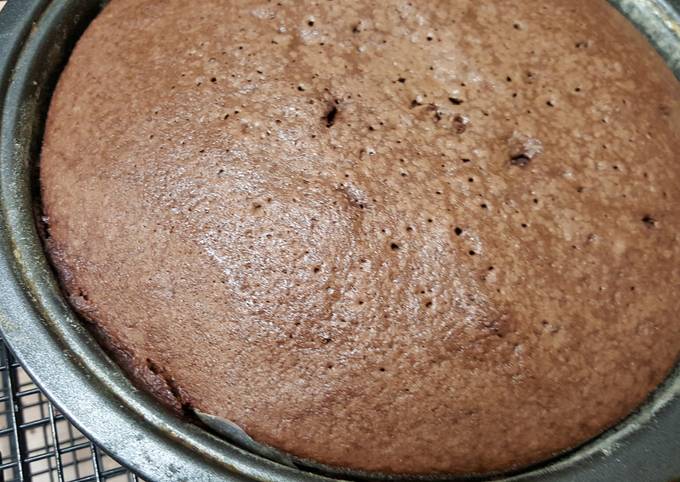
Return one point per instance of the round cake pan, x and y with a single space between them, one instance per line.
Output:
36 37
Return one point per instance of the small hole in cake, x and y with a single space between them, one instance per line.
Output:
330 116
316 269
520 160
491 268
428 304
429 220
550 103
465 160
329 366
382 369
458 231
472 252
394 247
310 22
525 225
213 79
152 367
471 179
360 302
409 229
455 100
535 200
649 221
508 79
460 124
484 206
401 80
301 88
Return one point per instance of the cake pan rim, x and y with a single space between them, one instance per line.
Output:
44 333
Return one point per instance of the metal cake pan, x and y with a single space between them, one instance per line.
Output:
36 37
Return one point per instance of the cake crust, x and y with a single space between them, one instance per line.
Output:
406 237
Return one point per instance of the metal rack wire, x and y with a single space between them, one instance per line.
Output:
37 443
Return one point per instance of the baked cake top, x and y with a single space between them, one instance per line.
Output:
409 237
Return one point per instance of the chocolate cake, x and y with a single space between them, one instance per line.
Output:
405 237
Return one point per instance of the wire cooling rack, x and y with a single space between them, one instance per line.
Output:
37 443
